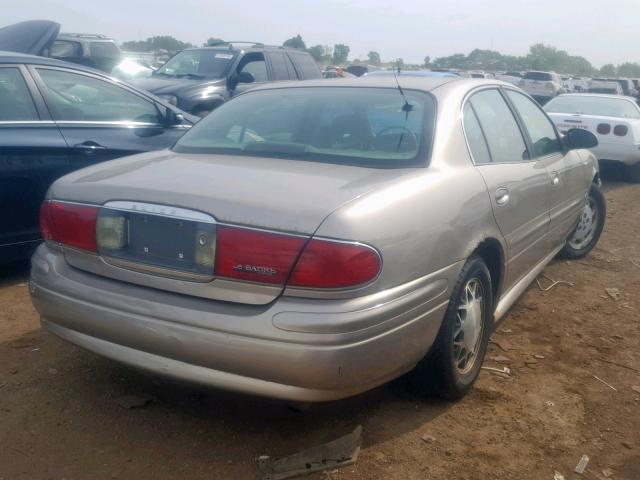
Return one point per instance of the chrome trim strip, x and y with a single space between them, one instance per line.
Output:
266 230
27 122
160 210
155 270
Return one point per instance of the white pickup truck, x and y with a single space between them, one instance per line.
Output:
613 119
543 86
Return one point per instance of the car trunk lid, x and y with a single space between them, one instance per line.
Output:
32 37
283 198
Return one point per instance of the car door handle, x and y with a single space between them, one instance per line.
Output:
502 196
89 146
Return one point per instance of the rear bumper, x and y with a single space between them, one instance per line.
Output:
282 350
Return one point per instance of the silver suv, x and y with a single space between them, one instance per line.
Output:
543 86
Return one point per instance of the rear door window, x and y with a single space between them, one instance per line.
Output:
475 137
16 103
506 143
279 65
541 131
306 66
75 97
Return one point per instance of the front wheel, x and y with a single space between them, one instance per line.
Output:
453 364
585 236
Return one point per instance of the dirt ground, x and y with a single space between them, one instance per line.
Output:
59 418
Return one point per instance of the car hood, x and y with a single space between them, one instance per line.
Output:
160 85
269 193
32 37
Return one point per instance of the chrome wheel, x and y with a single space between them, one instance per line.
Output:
586 228
469 326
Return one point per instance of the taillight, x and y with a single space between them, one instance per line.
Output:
620 130
335 264
70 224
255 255
604 129
272 258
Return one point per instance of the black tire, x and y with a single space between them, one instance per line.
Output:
596 204
438 372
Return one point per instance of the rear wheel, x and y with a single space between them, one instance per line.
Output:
585 236
453 364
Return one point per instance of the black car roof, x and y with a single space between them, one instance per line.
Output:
13 57
244 46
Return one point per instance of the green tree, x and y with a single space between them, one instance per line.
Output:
212 41
374 58
427 61
317 51
629 70
162 42
340 53
295 42
608 70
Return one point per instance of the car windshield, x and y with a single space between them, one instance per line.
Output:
374 127
599 106
541 76
205 63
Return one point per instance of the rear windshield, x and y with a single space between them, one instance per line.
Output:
546 77
606 107
209 63
372 127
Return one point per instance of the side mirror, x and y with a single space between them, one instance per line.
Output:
245 77
172 118
580 138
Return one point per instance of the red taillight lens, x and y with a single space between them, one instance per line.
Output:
620 130
254 255
332 264
69 224
604 129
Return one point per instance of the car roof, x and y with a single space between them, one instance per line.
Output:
13 57
425 84
244 46
611 96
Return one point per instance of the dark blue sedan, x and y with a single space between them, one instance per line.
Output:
56 117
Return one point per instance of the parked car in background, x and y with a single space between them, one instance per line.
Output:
542 86
479 74
613 119
199 80
605 86
91 50
57 117
513 78
312 240
336 72
626 85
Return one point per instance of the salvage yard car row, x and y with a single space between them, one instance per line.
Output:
287 244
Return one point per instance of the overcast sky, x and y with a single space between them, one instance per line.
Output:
602 31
